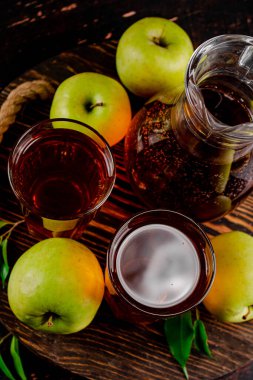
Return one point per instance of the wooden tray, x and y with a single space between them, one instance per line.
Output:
109 349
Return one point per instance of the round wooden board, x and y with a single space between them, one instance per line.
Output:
110 349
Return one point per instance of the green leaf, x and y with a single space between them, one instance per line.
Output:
4 269
3 223
179 334
201 338
5 369
14 350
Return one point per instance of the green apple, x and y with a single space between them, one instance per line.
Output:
231 296
152 55
56 286
96 100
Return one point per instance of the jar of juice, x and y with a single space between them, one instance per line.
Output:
194 153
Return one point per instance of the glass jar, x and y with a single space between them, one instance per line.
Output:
194 153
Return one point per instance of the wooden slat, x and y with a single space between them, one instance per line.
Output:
110 349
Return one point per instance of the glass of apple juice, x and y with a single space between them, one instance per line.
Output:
160 263
61 171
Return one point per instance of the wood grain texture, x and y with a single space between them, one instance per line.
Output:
33 30
109 349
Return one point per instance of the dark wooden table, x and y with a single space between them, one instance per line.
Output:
33 31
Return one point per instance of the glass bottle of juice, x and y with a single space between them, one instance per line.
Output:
194 153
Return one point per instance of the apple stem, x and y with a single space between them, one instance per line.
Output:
100 104
50 322
246 315
159 41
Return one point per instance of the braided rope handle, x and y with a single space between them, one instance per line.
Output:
23 93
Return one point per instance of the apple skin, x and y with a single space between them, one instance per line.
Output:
96 100
56 277
230 298
152 55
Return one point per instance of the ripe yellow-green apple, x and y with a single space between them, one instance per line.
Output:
152 55
56 286
94 99
231 296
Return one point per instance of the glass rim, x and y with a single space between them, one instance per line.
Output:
38 126
231 133
118 239
217 40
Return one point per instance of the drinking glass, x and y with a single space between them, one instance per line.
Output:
159 264
61 171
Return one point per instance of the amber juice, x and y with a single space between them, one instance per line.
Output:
160 264
172 164
60 176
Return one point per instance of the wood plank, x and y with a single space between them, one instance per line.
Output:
110 349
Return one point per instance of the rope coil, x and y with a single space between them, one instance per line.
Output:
25 92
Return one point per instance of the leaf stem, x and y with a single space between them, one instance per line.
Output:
5 337
4 266
9 231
